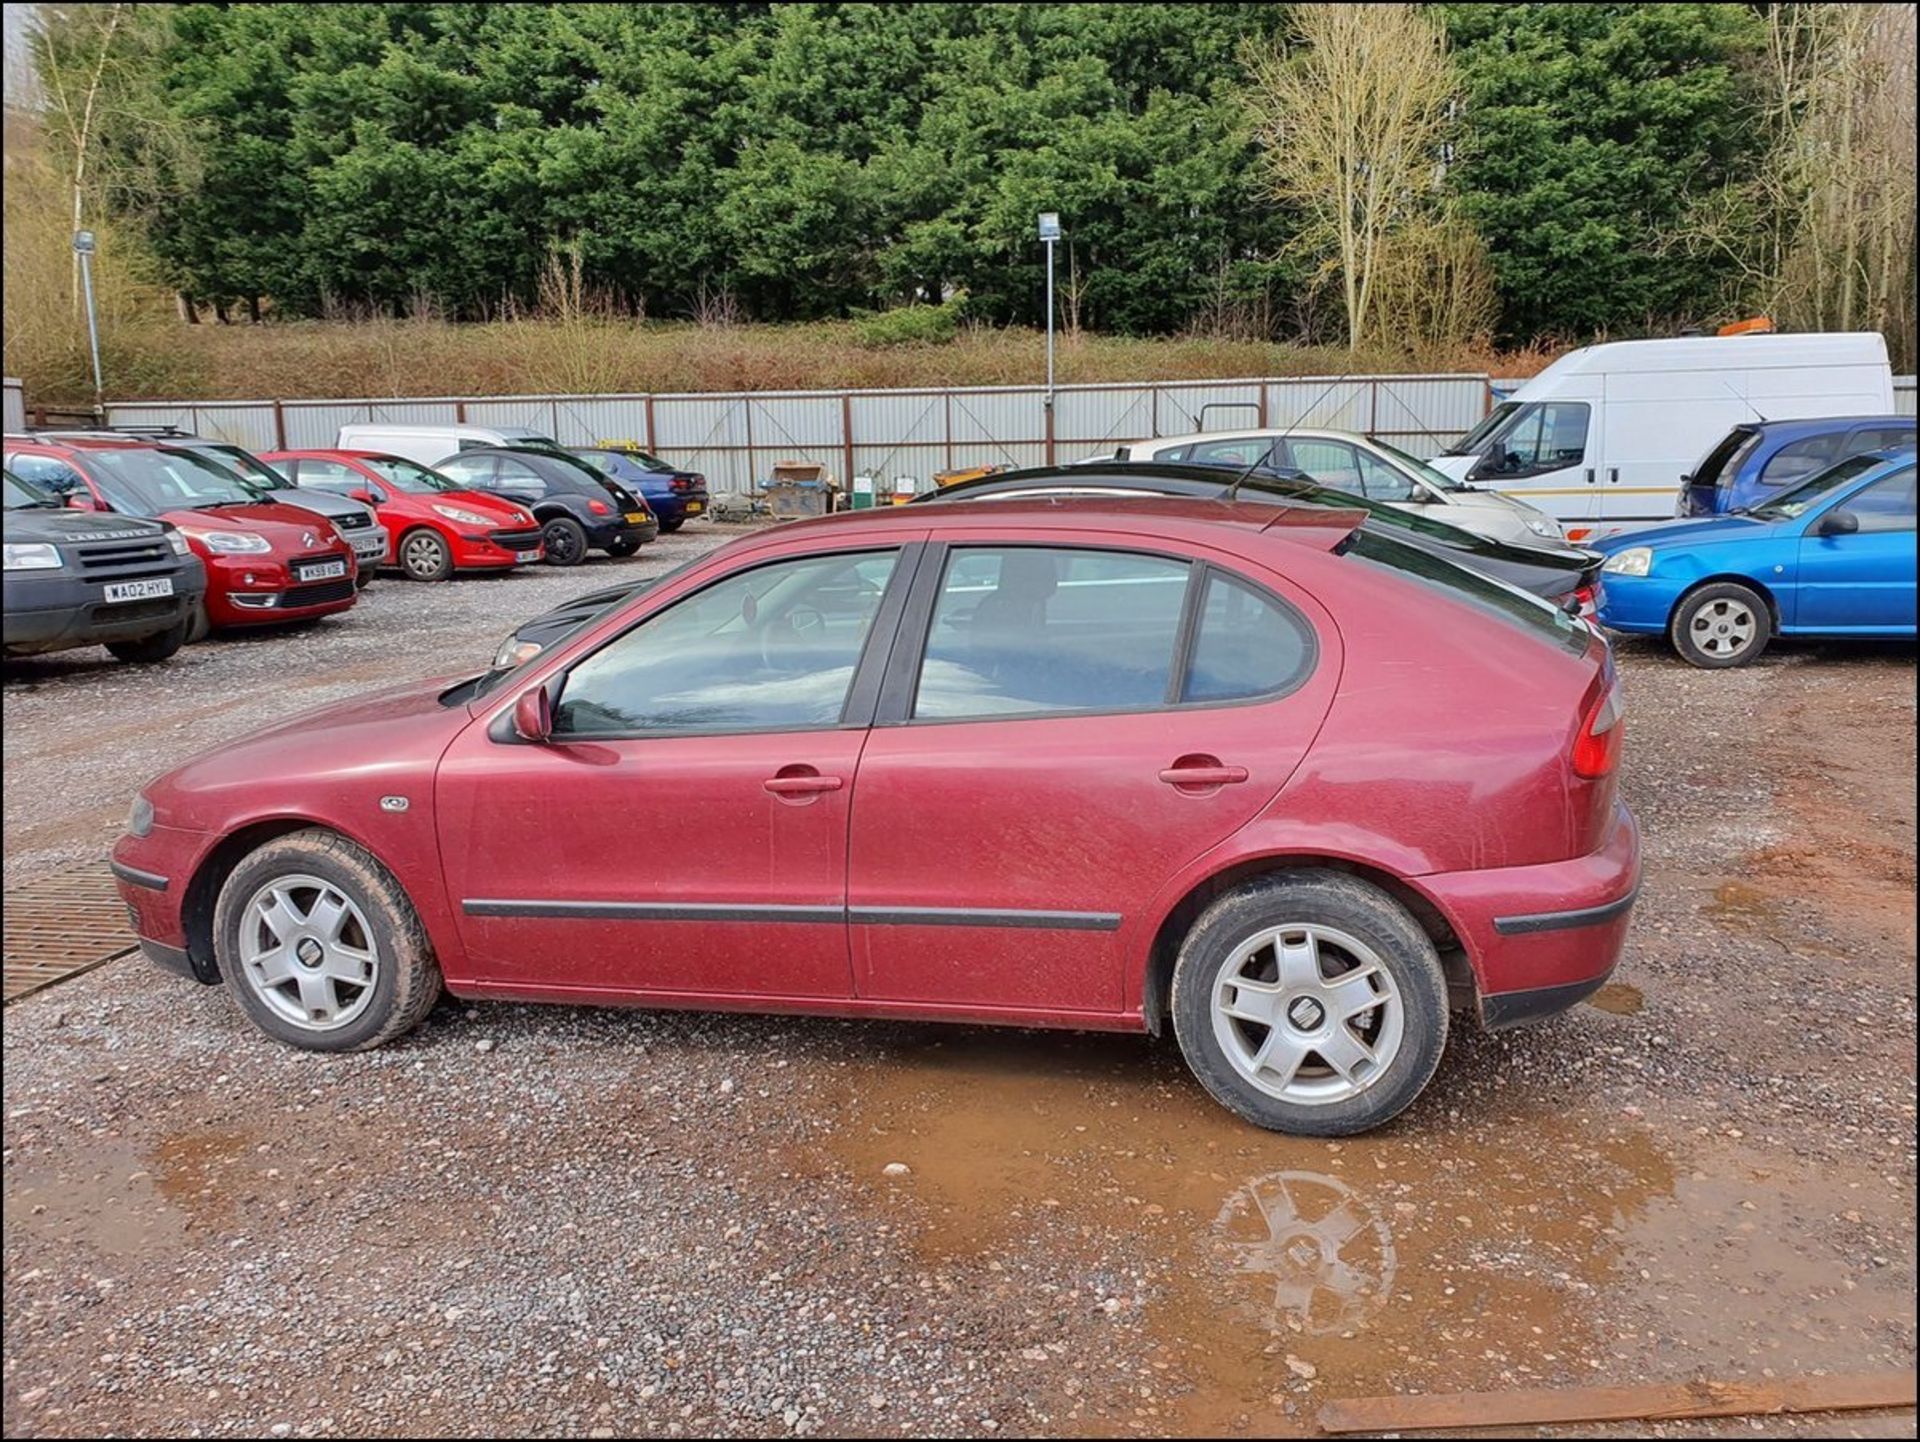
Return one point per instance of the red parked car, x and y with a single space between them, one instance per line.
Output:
435 526
1237 769
266 561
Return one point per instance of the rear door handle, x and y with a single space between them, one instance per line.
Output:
1613 475
1204 775
802 785
1590 475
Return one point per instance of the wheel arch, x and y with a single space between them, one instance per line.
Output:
1733 578
1157 988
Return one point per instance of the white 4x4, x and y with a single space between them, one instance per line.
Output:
1362 466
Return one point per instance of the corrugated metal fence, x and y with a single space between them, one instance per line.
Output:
736 438
1903 394
16 405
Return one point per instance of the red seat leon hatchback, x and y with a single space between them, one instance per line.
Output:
1288 790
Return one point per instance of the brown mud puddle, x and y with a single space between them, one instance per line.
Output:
1254 1274
1617 999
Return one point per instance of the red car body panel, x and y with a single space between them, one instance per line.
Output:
293 535
471 548
1429 749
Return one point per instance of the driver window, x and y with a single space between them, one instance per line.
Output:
770 649
469 470
1381 482
47 473
1886 505
1547 437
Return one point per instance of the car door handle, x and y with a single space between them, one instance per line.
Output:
802 785
1215 775
1613 475
1590 475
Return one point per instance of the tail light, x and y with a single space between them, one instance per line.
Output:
1597 750
600 508
682 483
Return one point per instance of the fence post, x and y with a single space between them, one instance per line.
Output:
647 405
279 426
460 412
1263 402
746 404
846 435
1049 451
949 400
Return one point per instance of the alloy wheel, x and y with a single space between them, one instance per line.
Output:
307 952
1308 1014
1723 627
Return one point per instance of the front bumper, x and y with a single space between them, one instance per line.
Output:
497 550
55 612
151 873
1541 938
369 546
252 591
1641 604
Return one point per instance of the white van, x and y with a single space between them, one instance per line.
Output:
429 445
1607 433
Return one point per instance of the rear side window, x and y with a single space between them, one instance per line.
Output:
1800 459
1248 644
1024 630
1882 439
1721 457
1482 592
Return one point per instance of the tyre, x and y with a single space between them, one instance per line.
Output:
626 546
1725 624
667 528
152 648
566 541
200 623
424 555
1310 1002
321 947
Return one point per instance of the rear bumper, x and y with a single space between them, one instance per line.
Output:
1542 938
610 533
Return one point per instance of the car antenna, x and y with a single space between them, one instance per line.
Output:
1261 459
1743 400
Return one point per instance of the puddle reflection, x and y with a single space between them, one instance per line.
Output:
1323 1251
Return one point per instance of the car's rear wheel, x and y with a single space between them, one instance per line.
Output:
667 528
321 947
625 546
152 648
424 556
1310 1002
1725 624
566 541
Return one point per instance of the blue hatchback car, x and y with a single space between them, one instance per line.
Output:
1754 463
671 493
1832 556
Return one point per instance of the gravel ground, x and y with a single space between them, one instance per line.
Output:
548 1221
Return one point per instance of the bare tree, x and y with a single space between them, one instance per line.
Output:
1822 237
1353 118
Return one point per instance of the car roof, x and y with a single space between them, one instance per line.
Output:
348 451
1321 527
1815 425
85 441
1254 433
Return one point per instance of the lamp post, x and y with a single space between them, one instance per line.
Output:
1049 233
83 247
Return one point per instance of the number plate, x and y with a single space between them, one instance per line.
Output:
140 590
636 518
694 508
522 557
322 570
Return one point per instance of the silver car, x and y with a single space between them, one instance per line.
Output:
1364 466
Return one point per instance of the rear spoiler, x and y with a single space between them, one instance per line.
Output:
1325 528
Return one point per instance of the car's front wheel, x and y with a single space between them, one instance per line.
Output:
625 546
157 647
1310 1002
424 556
667 528
321 947
1725 624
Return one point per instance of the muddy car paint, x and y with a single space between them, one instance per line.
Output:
1020 870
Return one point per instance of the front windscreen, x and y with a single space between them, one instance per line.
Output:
1794 503
149 482
404 475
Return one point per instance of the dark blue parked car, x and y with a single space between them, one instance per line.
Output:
1753 463
673 494
1832 556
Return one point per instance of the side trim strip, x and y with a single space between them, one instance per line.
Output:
652 911
1565 920
966 916
133 876
858 916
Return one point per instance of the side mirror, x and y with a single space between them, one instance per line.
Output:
78 500
370 495
1837 522
533 715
